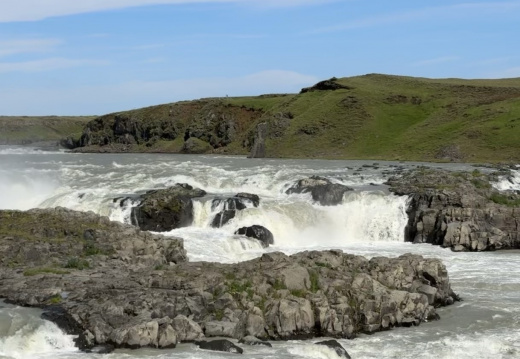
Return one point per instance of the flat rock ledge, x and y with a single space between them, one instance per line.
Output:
459 210
114 285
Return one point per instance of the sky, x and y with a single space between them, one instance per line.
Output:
91 57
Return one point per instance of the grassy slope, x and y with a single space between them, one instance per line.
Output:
17 130
376 119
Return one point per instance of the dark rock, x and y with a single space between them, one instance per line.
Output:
166 209
223 218
327 85
221 345
258 232
322 190
196 146
334 344
258 150
230 206
67 323
251 340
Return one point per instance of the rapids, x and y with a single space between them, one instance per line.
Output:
370 222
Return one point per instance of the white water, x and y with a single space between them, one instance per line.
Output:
508 183
369 222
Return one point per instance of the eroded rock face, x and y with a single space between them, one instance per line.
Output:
262 234
166 209
323 191
458 210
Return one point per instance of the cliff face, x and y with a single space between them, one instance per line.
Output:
364 117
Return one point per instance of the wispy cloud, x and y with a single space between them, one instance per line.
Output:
455 10
33 10
13 47
50 64
436 61
101 99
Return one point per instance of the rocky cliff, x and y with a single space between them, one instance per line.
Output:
459 210
113 284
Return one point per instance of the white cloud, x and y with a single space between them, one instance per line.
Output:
455 10
109 98
13 47
55 63
32 10
437 60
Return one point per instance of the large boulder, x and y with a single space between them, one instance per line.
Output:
166 209
322 190
458 210
262 234
258 150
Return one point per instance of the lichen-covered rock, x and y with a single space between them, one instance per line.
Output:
458 210
166 209
322 190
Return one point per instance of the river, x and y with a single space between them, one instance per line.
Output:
369 222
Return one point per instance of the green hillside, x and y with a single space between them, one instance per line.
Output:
20 130
365 117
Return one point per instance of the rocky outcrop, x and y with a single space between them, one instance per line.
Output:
229 207
166 209
258 150
322 190
327 85
459 210
262 234
135 289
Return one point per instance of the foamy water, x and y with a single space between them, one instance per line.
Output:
369 222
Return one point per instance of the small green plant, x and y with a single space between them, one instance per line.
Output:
219 314
476 173
323 265
298 293
90 249
235 287
55 299
279 284
77 263
230 276
314 278
480 184
505 200
159 267
34 271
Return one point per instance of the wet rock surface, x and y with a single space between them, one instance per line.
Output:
166 209
231 205
337 347
459 210
262 234
322 190
135 289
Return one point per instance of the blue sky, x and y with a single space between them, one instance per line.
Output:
71 57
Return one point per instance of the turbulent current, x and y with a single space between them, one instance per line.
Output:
370 222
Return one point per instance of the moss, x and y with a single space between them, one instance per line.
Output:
77 263
299 293
34 271
505 200
55 299
323 265
314 278
279 284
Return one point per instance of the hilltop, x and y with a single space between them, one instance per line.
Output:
364 117
23 130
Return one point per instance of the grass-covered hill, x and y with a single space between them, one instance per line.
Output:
364 117
22 130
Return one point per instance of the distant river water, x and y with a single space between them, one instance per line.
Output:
369 222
